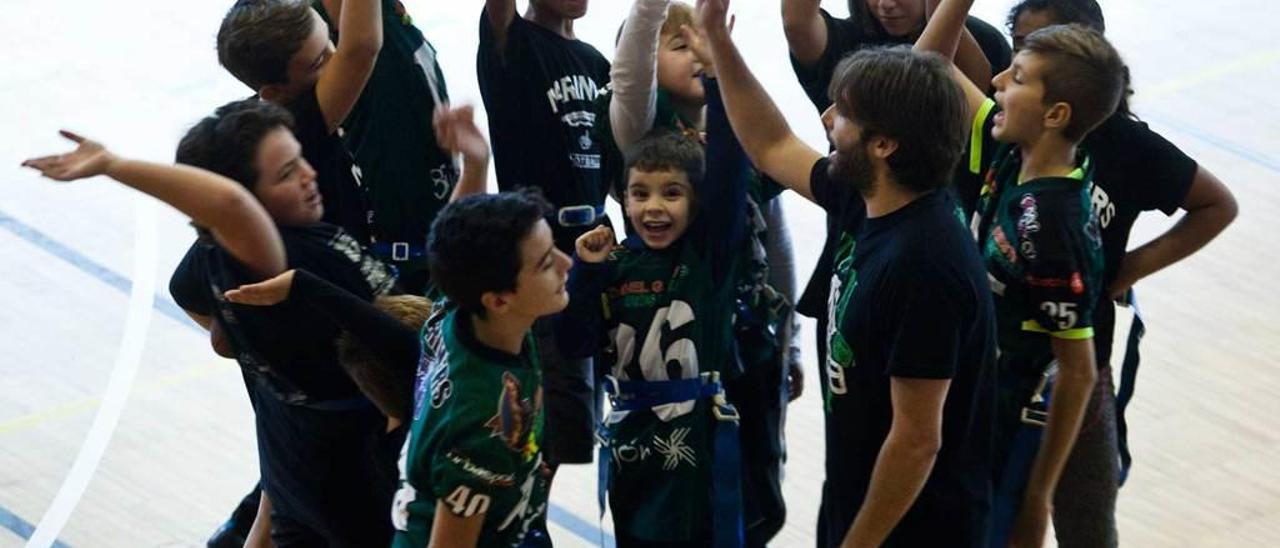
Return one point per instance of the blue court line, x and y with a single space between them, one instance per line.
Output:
20 527
89 266
1257 158
557 514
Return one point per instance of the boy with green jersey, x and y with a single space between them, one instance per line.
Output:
472 470
665 297
1042 247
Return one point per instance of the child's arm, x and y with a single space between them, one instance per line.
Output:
942 35
1210 207
634 72
456 132
394 344
723 195
500 14
449 530
580 328
761 129
359 41
805 29
235 218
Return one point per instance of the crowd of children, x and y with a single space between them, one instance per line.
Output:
421 356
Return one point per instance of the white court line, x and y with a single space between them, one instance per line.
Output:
138 320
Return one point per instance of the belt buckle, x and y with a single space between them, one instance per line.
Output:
579 215
400 251
1034 417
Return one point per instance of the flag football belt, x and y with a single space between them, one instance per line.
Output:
579 215
1128 378
399 251
1012 482
726 474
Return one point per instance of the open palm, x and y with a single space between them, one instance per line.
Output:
89 158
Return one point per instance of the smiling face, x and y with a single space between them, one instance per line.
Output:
1020 92
679 72
900 18
286 184
540 284
659 205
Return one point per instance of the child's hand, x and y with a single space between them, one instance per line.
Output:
713 16
265 293
594 246
89 159
456 131
696 39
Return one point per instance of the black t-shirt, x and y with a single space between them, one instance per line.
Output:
845 36
1135 170
540 93
289 344
336 172
909 300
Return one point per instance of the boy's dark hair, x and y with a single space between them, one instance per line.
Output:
908 97
1082 70
666 149
474 245
1081 12
226 142
259 37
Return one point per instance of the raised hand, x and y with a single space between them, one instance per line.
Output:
594 246
265 293
457 132
713 15
89 159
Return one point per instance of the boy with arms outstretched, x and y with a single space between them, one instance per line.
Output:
665 299
910 367
318 439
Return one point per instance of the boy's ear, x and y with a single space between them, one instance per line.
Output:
272 93
494 302
1058 117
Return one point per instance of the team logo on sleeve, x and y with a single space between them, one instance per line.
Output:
515 416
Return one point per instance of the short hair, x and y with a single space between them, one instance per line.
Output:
1081 12
1082 70
474 244
666 149
259 37
911 98
388 386
226 142
679 14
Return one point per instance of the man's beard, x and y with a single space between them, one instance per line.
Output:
853 166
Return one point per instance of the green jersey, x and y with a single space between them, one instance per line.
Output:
473 444
1042 246
667 314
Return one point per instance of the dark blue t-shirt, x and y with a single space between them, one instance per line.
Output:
909 299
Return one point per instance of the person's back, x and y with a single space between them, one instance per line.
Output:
408 174
540 88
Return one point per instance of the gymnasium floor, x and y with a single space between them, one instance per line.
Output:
119 427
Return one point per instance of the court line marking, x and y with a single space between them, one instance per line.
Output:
128 359
1170 87
561 516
